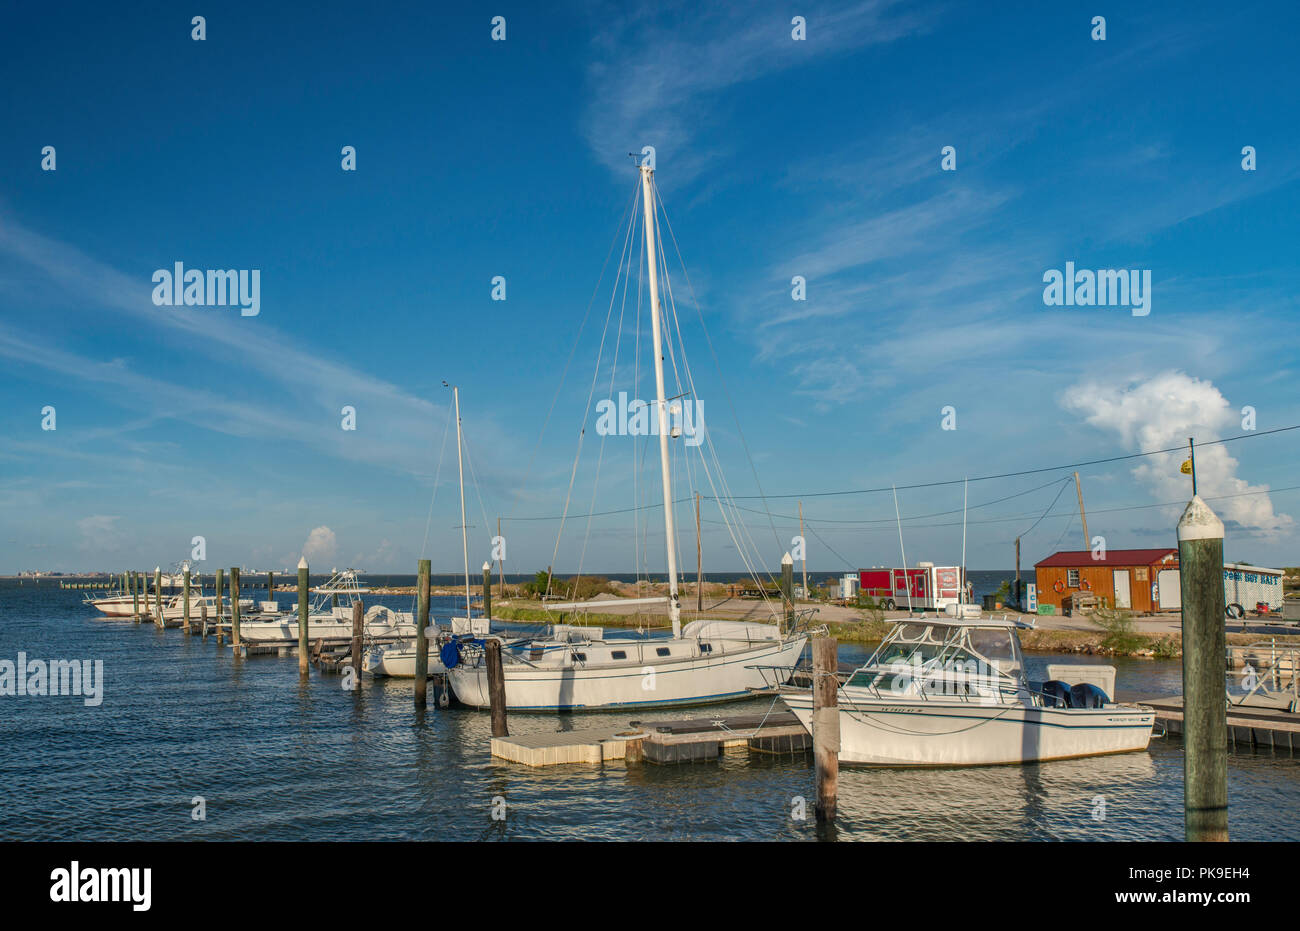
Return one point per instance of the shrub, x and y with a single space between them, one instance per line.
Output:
1121 636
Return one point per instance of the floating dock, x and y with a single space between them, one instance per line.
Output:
669 741
1264 721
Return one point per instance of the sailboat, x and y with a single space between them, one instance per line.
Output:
577 667
397 660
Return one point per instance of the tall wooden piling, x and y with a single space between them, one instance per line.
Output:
270 586
157 597
303 620
826 725
1205 724
487 590
186 606
135 598
421 637
787 589
234 607
496 688
203 619
219 583
358 621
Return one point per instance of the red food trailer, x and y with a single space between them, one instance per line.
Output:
931 587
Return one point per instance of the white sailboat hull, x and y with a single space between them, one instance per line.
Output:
695 680
937 732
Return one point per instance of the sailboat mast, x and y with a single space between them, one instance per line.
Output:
464 532
651 251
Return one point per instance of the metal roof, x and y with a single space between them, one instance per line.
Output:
1073 558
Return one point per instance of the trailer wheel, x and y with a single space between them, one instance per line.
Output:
1236 611
889 604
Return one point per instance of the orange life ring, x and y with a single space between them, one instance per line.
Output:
1085 585
1059 586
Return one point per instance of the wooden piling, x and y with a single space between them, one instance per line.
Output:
1205 724
186 607
220 583
487 590
135 598
203 619
270 586
303 620
496 688
787 589
234 607
358 620
826 725
422 638
157 596
220 632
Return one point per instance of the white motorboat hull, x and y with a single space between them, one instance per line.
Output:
322 627
938 732
398 662
116 606
696 680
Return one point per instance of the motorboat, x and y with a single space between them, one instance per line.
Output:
952 691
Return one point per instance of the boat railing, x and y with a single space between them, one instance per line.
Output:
1268 670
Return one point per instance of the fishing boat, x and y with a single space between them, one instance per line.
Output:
577 666
330 616
951 691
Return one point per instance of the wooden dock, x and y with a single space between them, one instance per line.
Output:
1263 722
662 741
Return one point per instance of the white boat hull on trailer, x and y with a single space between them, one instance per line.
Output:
963 733
725 672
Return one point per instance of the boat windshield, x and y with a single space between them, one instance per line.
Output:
938 658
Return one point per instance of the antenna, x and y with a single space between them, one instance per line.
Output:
961 596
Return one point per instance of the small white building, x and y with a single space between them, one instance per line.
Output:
1244 587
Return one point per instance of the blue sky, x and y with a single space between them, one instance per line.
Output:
775 158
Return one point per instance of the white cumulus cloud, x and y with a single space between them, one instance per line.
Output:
1163 411
321 543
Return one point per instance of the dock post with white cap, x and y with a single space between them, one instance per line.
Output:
1205 727
487 590
303 658
787 589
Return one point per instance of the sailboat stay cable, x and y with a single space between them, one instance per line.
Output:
717 365
736 525
436 476
724 498
600 456
577 339
591 392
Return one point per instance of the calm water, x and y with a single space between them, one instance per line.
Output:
278 760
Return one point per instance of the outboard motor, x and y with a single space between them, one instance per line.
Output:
1087 695
1056 693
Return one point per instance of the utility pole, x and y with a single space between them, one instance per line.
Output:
804 541
699 559
1083 518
